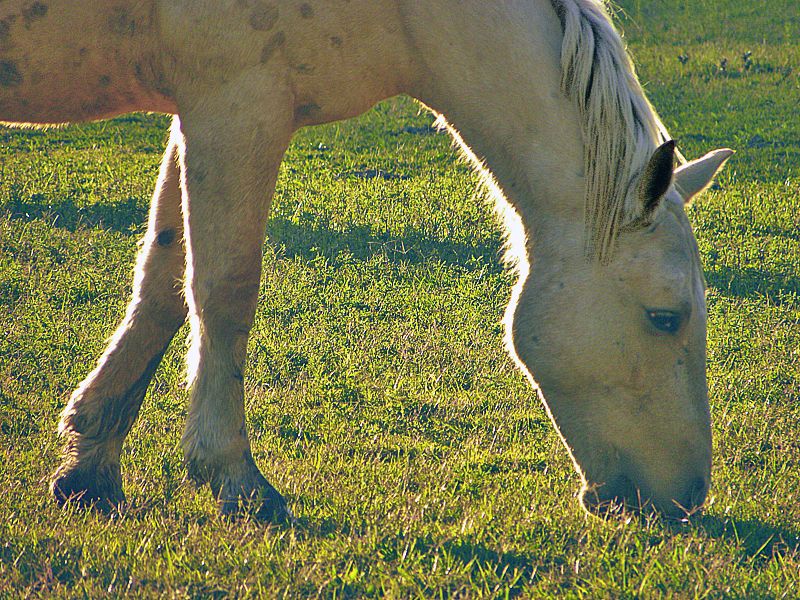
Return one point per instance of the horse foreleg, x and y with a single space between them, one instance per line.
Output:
103 408
230 168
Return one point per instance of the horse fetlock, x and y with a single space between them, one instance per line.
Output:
81 422
88 437
97 427
206 457
199 472
90 471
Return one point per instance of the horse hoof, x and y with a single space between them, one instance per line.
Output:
99 487
244 491
264 504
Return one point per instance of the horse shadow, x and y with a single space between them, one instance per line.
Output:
750 282
292 240
126 217
757 540
521 565
289 239
311 240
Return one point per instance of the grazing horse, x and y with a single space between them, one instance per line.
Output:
608 316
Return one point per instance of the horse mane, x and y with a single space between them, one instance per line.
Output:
620 127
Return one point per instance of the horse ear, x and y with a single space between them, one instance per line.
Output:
695 176
657 177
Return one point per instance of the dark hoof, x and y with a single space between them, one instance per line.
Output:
241 490
263 504
99 488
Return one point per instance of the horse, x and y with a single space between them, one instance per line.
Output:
607 319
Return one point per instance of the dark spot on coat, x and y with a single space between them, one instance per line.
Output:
5 29
101 105
306 10
34 12
336 41
304 68
121 23
104 80
307 110
9 74
263 17
276 41
165 238
151 76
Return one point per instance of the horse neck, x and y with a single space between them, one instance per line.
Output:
492 70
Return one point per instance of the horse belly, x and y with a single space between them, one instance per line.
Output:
338 58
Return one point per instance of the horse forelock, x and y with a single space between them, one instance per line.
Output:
620 127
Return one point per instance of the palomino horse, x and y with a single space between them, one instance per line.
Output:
608 315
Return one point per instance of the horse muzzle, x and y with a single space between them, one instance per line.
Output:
621 495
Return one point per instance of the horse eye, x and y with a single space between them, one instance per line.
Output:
665 320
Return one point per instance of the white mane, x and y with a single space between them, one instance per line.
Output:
620 127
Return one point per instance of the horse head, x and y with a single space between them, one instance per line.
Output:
618 350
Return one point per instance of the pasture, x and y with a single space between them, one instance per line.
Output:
379 398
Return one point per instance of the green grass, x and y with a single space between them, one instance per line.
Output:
379 397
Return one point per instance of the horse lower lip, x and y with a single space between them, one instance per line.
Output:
612 497
699 491
696 495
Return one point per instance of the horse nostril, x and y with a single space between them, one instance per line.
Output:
697 493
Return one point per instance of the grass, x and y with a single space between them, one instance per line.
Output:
379 397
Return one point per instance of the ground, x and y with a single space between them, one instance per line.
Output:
379 397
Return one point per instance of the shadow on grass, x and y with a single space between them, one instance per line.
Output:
474 556
361 242
749 282
292 240
126 217
758 540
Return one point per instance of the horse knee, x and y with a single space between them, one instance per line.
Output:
227 302
229 306
157 291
